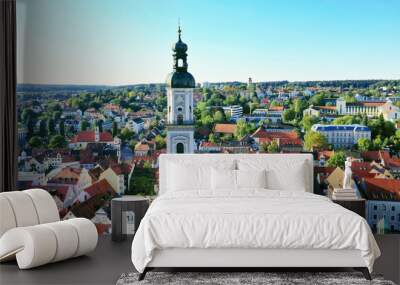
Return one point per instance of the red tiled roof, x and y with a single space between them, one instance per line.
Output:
89 136
330 108
390 186
393 163
208 144
275 108
67 175
100 187
102 228
283 138
225 128
360 174
366 104
326 153
356 165
322 169
142 147
122 168
372 155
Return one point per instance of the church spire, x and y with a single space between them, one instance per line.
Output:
179 29
180 55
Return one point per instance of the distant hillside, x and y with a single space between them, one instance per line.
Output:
59 88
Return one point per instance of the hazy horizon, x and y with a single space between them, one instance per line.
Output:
126 42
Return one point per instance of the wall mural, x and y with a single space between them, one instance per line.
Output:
88 143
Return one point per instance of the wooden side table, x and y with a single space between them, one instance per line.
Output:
357 206
119 207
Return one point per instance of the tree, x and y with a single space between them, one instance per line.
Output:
317 99
84 125
142 181
42 129
30 125
212 138
315 140
35 142
160 142
219 117
114 129
289 115
307 122
99 124
57 141
51 127
364 144
364 120
242 128
62 128
207 120
272 147
127 134
337 159
377 143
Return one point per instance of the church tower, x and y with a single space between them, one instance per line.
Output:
180 86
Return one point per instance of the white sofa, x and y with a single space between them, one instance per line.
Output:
31 231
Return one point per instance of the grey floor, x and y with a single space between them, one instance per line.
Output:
103 266
110 260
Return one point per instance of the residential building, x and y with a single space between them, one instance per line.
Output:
287 141
387 109
383 205
225 129
117 176
317 111
101 187
142 149
343 136
81 139
234 112
136 125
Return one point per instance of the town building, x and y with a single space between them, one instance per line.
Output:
136 125
180 86
389 111
383 205
118 176
81 139
287 141
342 136
234 112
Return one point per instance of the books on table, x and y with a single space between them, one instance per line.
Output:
344 194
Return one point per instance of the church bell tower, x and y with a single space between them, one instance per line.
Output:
180 86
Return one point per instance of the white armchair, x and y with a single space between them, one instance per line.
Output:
31 230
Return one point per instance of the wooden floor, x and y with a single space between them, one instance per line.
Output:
111 259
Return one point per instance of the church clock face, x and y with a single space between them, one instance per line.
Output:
180 100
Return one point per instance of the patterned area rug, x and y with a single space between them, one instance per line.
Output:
243 278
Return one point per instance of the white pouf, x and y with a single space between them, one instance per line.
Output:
31 232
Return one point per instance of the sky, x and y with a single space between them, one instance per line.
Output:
119 42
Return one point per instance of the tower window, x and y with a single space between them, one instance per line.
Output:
180 148
180 109
180 62
179 119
